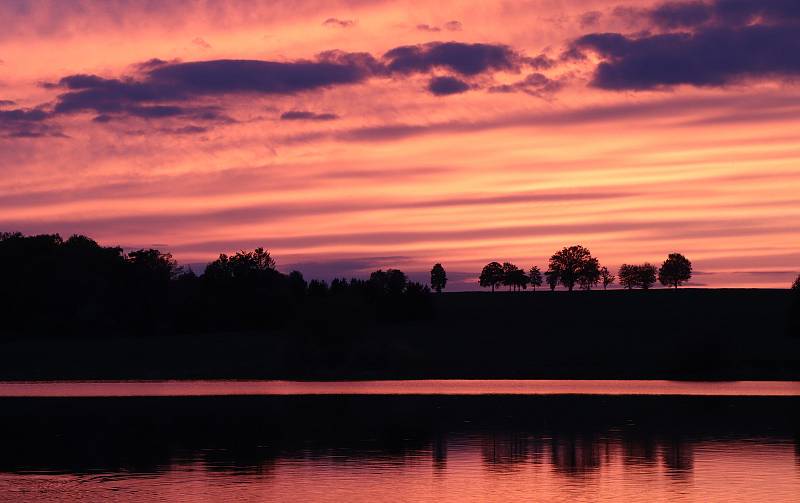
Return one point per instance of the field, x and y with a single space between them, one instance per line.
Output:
657 334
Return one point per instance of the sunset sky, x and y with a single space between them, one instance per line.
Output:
348 136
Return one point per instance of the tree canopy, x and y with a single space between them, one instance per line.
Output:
491 275
438 278
606 277
535 277
675 271
637 276
52 286
573 265
551 277
514 277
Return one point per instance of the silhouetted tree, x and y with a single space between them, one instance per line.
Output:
153 264
571 264
535 277
438 278
647 275
491 275
606 277
590 274
628 276
317 288
514 277
339 285
641 276
151 272
389 282
551 277
796 285
675 271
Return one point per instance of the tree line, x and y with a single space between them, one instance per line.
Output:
50 285
575 266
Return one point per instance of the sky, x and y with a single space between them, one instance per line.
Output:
346 136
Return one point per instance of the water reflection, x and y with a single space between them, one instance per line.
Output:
390 449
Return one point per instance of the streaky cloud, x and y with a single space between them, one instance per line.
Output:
304 115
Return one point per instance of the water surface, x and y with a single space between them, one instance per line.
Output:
514 441
406 387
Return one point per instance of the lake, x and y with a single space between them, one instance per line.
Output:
444 441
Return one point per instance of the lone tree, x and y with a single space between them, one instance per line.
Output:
535 277
438 278
796 285
606 277
647 275
491 275
572 265
675 271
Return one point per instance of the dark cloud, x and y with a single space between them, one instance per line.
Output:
340 23
159 89
681 14
710 56
443 86
453 26
7 103
26 123
730 13
267 77
466 59
591 18
22 115
294 115
179 82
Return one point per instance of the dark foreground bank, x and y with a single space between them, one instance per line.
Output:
657 334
